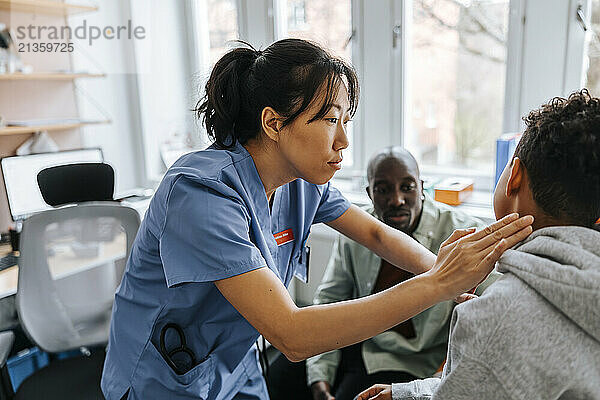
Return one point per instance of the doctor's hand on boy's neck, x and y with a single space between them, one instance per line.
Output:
513 194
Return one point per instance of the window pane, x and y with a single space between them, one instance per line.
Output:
593 73
215 25
457 74
329 23
222 26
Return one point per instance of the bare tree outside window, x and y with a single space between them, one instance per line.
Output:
593 72
457 72
328 23
297 15
222 26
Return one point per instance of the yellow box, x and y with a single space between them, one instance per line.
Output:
453 191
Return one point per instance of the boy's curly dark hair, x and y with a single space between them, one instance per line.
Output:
560 150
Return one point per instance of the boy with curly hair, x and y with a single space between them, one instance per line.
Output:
535 333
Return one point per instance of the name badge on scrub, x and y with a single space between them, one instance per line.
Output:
284 237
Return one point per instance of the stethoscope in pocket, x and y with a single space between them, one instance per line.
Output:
181 359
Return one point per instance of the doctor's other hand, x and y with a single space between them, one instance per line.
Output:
321 390
376 392
468 256
461 298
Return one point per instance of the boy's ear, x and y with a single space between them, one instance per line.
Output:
369 192
515 179
271 123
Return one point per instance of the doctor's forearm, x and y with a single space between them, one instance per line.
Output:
320 328
300 333
403 251
388 243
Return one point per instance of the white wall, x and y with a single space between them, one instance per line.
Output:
113 97
165 83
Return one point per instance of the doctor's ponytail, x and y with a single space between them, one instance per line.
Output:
286 76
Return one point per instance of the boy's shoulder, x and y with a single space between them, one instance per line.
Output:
508 308
502 307
515 331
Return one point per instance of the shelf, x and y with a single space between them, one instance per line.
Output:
47 76
45 7
19 130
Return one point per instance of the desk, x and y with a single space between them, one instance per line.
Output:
64 262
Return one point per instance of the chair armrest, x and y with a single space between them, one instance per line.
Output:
7 338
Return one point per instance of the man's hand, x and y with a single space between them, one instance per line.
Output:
376 392
321 391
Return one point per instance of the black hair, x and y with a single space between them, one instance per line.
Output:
560 149
286 76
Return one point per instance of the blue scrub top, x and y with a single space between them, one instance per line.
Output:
208 220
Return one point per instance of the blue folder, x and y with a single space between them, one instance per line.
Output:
505 148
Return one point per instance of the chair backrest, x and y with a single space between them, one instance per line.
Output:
76 183
72 260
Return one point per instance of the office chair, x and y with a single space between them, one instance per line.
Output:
72 260
77 183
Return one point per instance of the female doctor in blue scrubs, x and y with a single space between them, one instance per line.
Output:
226 232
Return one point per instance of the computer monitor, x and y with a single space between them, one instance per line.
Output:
20 177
